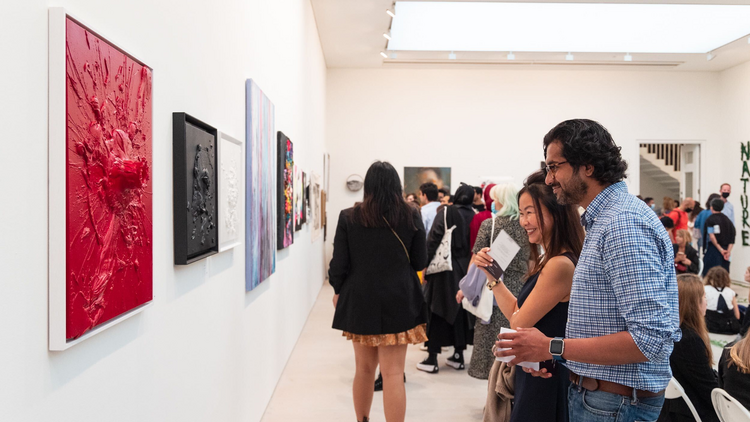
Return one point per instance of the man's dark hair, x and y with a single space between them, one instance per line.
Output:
586 142
648 199
429 190
667 222
717 205
477 190
445 191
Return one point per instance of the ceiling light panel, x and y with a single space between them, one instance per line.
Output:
565 27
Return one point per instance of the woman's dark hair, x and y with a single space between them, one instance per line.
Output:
464 195
383 199
667 222
567 232
586 142
711 198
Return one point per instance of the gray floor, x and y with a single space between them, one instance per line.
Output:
316 383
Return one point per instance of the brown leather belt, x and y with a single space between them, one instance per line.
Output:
592 384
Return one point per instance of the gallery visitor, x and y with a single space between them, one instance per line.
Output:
686 258
718 235
481 216
543 300
378 248
428 197
728 210
450 324
617 346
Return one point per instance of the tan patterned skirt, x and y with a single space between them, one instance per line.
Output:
416 335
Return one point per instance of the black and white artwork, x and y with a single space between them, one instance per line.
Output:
196 233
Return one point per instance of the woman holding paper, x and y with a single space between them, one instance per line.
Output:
543 300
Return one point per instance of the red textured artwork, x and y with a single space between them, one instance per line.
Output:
109 192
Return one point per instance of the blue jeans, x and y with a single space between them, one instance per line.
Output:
598 406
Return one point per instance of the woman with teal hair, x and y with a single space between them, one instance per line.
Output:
505 204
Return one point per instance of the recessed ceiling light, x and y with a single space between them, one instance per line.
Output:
569 57
589 27
388 37
452 56
388 11
628 57
385 56
709 57
511 56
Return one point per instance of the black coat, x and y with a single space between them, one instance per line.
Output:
692 255
379 288
441 288
732 380
691 368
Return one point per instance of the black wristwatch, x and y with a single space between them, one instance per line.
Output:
556 348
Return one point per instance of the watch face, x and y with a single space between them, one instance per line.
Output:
556 347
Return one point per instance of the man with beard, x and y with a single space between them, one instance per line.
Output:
623 316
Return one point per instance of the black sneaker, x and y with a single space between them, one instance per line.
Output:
456 361
379 382
428 365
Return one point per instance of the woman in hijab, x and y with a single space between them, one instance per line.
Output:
449 324
476 222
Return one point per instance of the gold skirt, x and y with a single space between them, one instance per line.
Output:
416 335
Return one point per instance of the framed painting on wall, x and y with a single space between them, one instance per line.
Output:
260 189
100 187
298 197
231 174
196 232
305 202
315 207
285 199
415 176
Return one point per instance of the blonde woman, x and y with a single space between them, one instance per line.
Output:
691 359
734 371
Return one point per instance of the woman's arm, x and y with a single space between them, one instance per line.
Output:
692 255
736 308
339 267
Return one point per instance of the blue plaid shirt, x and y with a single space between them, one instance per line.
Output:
625 281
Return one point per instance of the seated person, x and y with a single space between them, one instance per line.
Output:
723 314
692 358
686 258
734 370
746 320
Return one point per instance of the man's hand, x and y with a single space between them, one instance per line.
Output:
527 345
542 373
726 254
335 301
459 296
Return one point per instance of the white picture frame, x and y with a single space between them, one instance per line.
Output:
57 192
231 168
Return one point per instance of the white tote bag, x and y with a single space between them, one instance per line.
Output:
442 260
483 310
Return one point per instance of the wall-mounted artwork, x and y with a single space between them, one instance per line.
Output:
285 199
326 186
298 198
100 187
195 178
305 199
231 175
315 211
260 189
415 176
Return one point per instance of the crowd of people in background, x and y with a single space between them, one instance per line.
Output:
609 321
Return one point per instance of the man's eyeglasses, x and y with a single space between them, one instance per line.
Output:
552 168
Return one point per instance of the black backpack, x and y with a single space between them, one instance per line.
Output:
722 320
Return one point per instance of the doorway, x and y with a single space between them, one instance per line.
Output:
670 170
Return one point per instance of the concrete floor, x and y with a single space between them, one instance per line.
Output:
316 383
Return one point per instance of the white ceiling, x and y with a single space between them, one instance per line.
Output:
351 33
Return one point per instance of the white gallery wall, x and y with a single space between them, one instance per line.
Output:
490 121
206 350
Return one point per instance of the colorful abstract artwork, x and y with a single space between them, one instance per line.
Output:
299 194
230 184
108 187
415 176
260 186
196 231
285 212
305 198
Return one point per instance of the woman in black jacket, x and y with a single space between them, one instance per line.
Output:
692 359
378 247
686 260
450 324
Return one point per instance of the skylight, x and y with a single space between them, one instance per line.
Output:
566 27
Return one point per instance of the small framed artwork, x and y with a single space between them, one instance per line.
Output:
305 200
231 175
298 198
100 182
196 234
285 220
